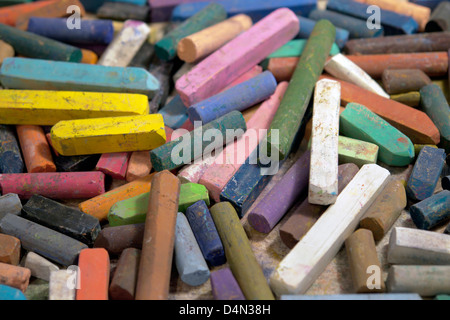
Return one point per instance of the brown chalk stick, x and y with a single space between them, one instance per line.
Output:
159 238
14 276
123 284
9 249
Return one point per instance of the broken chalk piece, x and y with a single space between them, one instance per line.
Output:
139 165
116 239
114 164
309 258
359 122
94 274
10 203
224 286
357 151
40 267
108 135
9 249
404 81
32 74
426 173
14 276
123 283
191 193
432 211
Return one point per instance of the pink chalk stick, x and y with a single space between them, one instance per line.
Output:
230 160
114 164
193 172
225 65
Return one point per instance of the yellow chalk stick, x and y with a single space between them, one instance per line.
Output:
46 108
108 135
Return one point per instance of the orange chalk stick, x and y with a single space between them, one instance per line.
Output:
139 166
9 249
412 122
35 149
94 271
159 238
14 276
89 57
9 14
99 206
283 68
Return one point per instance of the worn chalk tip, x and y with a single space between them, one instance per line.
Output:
165 49
187 51
196 277
259 222
75 56
195 114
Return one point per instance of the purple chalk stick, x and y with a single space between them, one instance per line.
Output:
282 197
224 285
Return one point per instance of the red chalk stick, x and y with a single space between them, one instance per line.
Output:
94 270
114 164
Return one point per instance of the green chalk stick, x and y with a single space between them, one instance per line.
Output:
293 107
357 151
166 48
360 123
134 210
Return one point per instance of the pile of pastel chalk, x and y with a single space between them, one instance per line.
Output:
119 174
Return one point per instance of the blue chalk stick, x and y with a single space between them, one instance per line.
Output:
174 113
239 97
35 74
10 155
356 27
90 32
426 173
432 211
9 293
307 25
256 9
392 22
205 232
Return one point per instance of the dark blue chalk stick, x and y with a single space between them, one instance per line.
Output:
205 232
10 155
92 5
426 173
431 212
174 113
256 9
307 26
356 27
239 97
90 32
48 243
392 22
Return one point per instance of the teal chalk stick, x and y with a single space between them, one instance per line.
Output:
9 293
35 46
360 123
36 74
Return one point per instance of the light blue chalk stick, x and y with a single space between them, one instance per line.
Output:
362 297
36 74
191 264
174 113
9 293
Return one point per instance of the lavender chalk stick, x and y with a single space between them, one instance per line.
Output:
224 286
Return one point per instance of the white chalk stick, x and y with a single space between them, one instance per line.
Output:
121 51
39 266
323 176
342 68
418 247
62 285
309 258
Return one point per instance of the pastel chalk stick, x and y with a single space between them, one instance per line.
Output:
358 122
385 211
212 74
139 165
226 164
10 14
323 176
47 108
124 47
435 105
123 282
90 31
357 151
76 163
121 11
192 173
162 71
189 260
94 266
439 18
418 247
46 242
301 267
357 27
144 56
239 97
341 67
404 81
109 135
411 99
393 23
32 74
190 193
256 9
6 51
205 232
10 250
427 281
58 285
8 293
161 10
224 286
174 113
271 209
307 26
62 218
54 185
114 164
11 160
15 276
192 144
116 239
213 13
40 267
426 174
10 203
34 46
432 211
412 122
